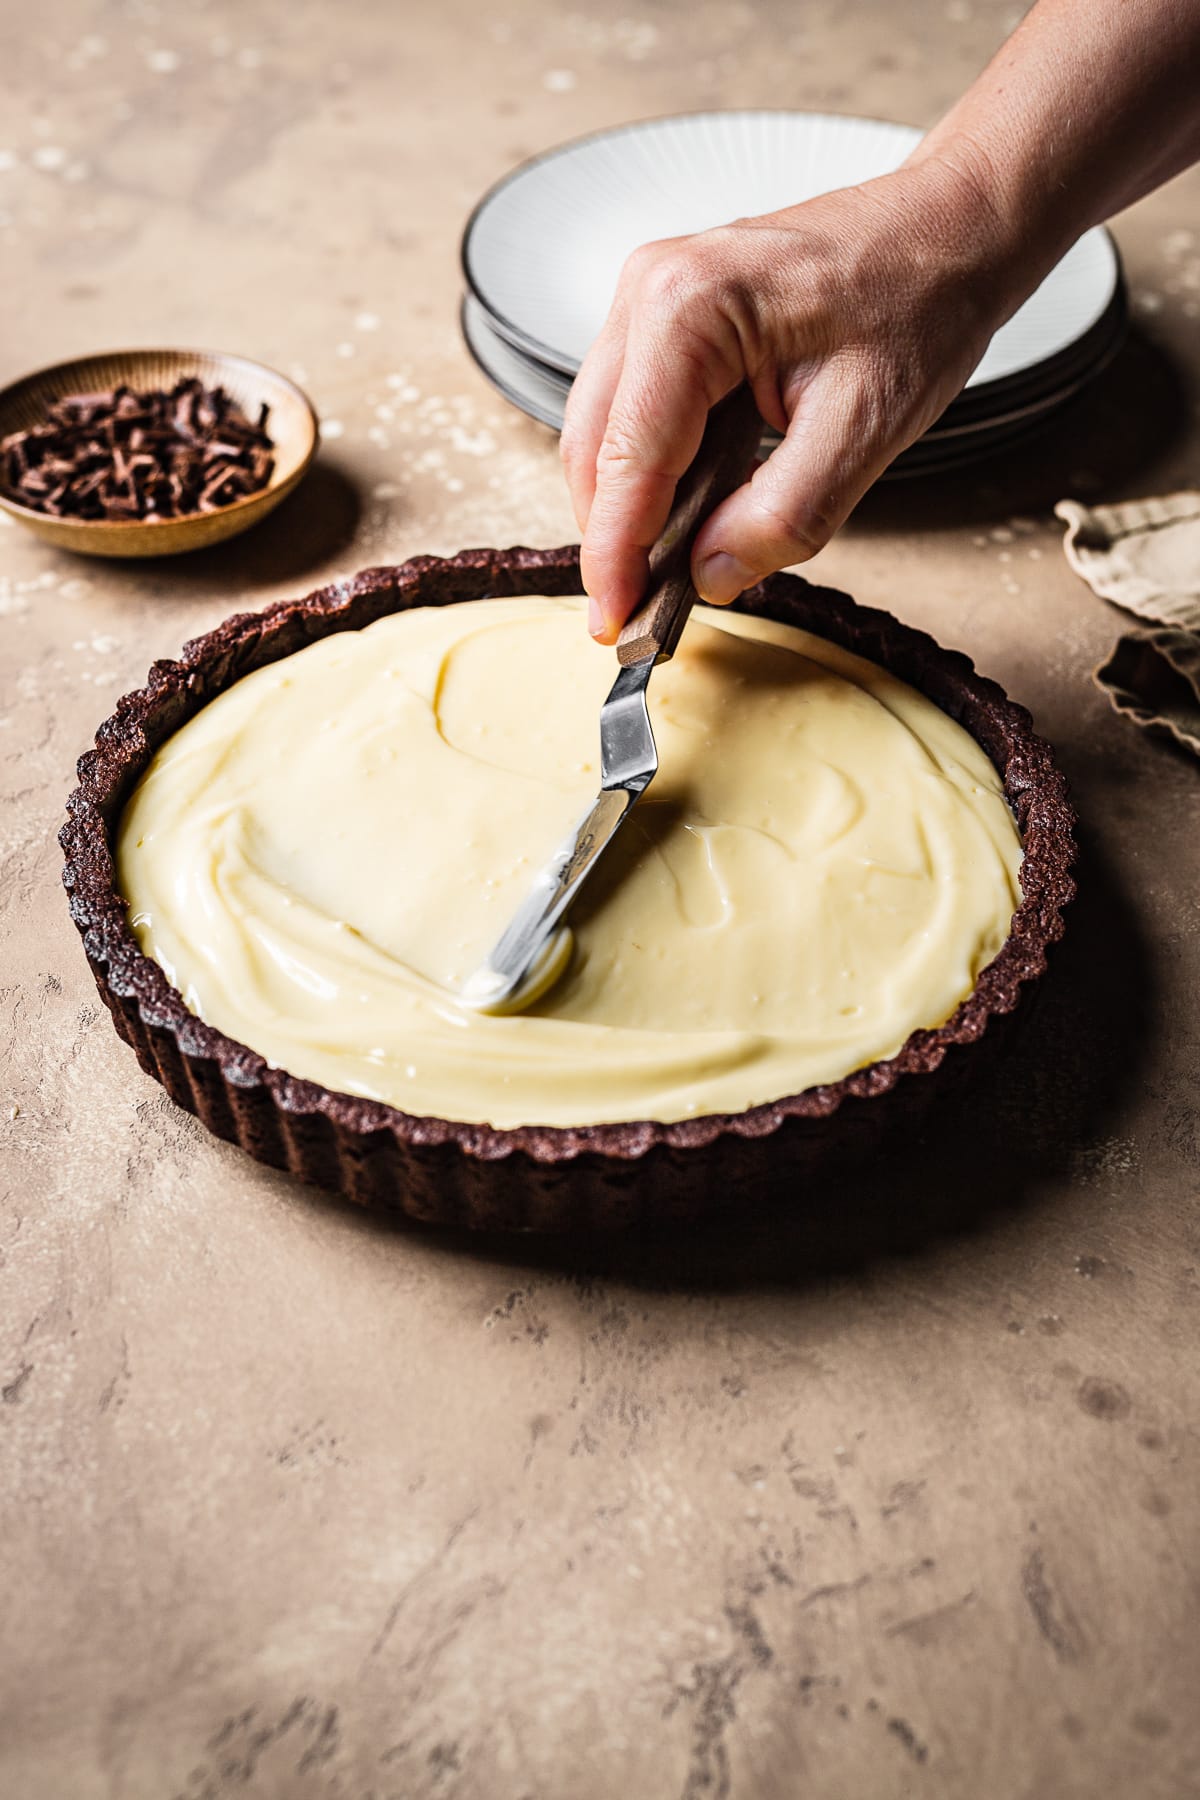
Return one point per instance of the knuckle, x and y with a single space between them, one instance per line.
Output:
639 263
802 529
726 246
670 283
619 452
695 278
695 283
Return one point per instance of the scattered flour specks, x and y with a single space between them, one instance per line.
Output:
49 157
13 593
163 62
559 81
478 443
367 321
332 428
632 38
86 52
1183 259
1106 1160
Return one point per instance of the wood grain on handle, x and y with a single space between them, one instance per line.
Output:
723 461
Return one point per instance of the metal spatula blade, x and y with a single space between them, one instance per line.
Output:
530 955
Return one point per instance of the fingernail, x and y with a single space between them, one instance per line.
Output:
595 619
721 578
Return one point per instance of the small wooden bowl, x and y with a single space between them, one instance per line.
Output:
292 425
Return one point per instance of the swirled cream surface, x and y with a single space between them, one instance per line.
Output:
322 857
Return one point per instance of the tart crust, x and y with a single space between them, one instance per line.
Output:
542 1177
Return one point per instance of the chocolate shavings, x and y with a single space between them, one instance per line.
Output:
138 455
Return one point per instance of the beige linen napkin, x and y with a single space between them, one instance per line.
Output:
1145 556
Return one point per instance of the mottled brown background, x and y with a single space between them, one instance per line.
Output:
894 1496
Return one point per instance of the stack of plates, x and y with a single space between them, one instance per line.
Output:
543 249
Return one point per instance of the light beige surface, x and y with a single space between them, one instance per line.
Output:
823 865
895 1496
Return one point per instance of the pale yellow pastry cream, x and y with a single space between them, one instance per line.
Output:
322 857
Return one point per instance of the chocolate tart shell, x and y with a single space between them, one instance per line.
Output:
541 1177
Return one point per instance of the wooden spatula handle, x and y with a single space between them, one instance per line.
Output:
723 461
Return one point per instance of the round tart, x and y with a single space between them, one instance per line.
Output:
536 1175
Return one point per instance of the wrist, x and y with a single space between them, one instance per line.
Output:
1012 238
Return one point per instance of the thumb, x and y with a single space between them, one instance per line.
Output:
797 498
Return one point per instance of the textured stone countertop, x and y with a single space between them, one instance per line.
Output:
893 1496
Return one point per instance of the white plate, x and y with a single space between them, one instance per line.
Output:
542 394
542 391
538 392
543 249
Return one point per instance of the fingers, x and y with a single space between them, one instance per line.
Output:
636 415
588 407
669 380
796 500
652 433
691 319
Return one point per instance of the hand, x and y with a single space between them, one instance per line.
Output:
856 317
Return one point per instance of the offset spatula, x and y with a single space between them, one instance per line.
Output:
525 960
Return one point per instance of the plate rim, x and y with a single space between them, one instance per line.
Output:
971 435
972 408
523 405
930 454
